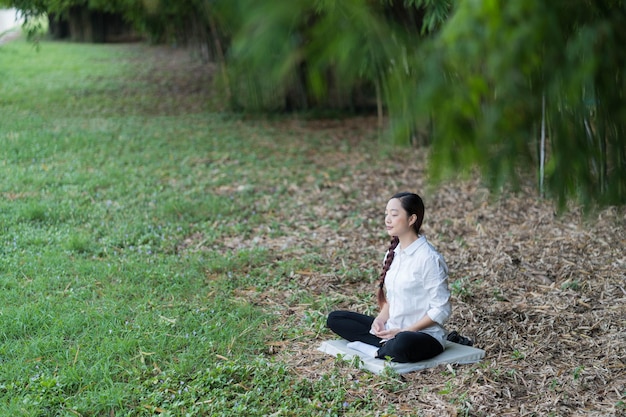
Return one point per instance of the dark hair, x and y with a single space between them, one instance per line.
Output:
412 204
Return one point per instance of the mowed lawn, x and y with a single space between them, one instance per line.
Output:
129 209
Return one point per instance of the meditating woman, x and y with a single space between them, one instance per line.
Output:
413 293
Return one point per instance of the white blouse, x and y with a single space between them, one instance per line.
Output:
417 285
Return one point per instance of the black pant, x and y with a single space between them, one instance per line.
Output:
405 347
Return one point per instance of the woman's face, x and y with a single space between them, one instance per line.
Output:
397 220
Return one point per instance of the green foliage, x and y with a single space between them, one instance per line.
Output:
494 61
474 74
309 54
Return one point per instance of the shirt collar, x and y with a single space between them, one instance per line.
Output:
410 250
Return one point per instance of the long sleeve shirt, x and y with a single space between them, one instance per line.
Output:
417 285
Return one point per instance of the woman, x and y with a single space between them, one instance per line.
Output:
413 293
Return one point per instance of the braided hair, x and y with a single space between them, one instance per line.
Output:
412 204
380 293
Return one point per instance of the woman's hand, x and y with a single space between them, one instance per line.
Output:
378 329
378 326
388 334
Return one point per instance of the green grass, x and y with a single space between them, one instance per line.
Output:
108 305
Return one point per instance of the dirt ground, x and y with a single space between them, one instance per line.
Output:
543 294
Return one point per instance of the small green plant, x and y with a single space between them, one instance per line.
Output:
621 404
517 355
314 321
34 212
449 388
357 362
578 372
450 371
461 288
79 243
554 384
464 405
497 295
392 380
571 285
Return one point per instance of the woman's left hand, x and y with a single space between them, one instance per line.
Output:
388 334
